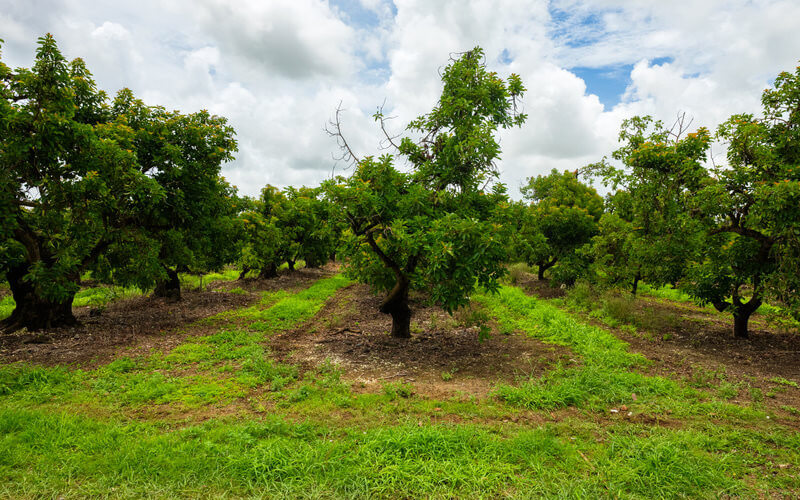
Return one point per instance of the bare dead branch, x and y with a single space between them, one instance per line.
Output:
388 142
680 125
334 129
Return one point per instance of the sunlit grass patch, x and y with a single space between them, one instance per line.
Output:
7 306
203 280
275 457
604 372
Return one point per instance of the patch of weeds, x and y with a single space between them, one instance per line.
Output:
667 292
37 383
581 296
791 409
786 382
259 370
756 394
203 280
473 315
727 390
618 309
702 377
778 319
398 390
447 376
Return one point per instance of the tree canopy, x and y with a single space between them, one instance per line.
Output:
751 211
647 232
432 228
95 184
562 217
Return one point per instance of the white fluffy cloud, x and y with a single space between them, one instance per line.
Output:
278 69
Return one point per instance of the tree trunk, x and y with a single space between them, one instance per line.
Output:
290 263
169 288
244 272
270 271
396 305
32 311
544 266
636 280
741 317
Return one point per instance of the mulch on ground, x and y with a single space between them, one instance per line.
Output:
140 324
443 358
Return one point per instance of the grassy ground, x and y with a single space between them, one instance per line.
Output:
221 416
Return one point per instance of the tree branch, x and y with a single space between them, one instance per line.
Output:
334 129
389 138
743 231
385 258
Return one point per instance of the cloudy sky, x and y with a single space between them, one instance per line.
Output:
277 69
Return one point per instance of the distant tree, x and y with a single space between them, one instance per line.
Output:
562 217
266 244
431 228
647 232
80 191
308 219
751 211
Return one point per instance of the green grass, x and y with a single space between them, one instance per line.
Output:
194 281
149 426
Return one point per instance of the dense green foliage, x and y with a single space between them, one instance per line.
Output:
562 217
647 232
433 228
112 186
284 227
751 211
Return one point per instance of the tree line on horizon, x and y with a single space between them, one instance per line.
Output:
133 194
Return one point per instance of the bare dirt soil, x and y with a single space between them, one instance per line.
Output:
444 357
140 323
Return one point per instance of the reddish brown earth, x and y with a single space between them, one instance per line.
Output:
140 323
443 358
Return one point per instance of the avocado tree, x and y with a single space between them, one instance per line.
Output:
265 244
751 211
647 232
193 225
432 228
562 217
309 221
78 191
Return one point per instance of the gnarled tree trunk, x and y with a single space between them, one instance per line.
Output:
290 263
169 288
244 272
741 316
396 305
33 311
544 266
